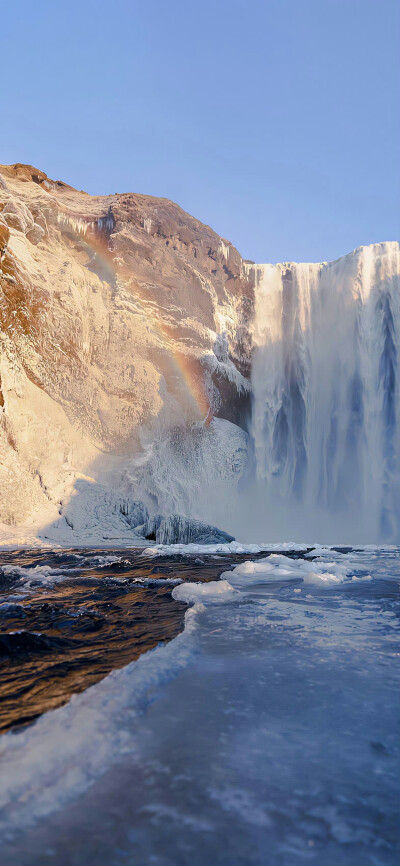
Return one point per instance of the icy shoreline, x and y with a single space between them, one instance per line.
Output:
303 632
27 539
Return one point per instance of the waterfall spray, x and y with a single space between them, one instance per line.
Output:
326 396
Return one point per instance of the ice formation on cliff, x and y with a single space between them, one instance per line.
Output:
143 360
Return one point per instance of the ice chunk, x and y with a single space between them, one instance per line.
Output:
177 529
220 590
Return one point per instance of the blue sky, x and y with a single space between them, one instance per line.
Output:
276 122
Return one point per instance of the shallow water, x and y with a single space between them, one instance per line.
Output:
265 733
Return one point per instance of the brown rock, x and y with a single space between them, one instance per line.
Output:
109 323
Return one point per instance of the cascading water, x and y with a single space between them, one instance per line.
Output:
326 397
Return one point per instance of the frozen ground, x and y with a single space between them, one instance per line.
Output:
266 733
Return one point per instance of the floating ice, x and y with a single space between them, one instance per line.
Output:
214 591
233 547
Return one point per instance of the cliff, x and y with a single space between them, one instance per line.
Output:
117 314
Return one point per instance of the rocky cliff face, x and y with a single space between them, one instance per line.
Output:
120 316
132 339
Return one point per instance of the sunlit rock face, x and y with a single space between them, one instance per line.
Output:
326 395
142 360
118 314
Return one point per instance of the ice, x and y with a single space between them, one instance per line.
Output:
192 470
64 766
223 249
303 361
279 567
233 547
324 578
219 362
203 592
266 732
178 529
263 566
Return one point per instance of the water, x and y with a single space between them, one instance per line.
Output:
265 733
69 618
326 398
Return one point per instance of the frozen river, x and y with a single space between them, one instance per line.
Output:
265 733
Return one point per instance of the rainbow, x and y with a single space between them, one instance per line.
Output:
181 368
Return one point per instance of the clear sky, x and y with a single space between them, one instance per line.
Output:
277 122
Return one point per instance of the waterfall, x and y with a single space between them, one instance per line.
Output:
326 396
